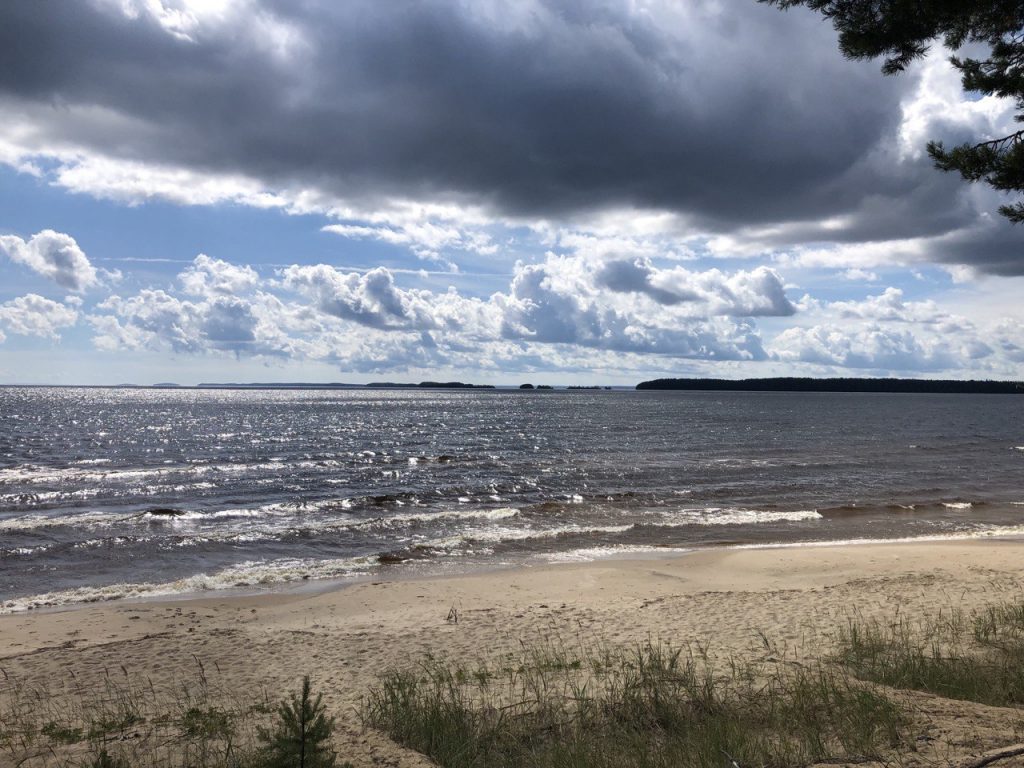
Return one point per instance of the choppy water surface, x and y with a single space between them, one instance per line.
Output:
109 493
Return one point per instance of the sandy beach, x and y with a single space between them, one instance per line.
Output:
724 600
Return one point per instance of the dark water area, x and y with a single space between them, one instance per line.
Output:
108 493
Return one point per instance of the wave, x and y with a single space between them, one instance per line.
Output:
392 521
38 475
992 532
52 499
156 516
172 515
730 516
177 517
98 470
247 574
589 554
502 535
916 506
30 522
288 509
25 551
290 570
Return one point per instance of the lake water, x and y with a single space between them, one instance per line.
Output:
108 493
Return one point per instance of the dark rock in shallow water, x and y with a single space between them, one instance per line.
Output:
164 512
391 558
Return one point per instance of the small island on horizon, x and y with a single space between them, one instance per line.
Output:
808 384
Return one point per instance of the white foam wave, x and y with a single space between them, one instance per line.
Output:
28 522
266 510
593 553
290 570
731 516
26 550
95 543
957 504
391 521
95 471
589 554
502 534
247 574
42 475
995 532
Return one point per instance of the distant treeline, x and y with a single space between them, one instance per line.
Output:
793 384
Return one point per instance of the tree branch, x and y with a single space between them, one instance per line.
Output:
993 755
998 144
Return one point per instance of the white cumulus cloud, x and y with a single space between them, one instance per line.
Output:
215 277
54 255
33 315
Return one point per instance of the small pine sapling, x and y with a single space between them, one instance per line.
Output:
301 736
105 760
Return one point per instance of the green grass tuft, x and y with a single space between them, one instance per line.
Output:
977 658
653 707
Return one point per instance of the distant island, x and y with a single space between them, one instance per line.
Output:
792 384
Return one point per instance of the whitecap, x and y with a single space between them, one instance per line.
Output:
732 516
250 573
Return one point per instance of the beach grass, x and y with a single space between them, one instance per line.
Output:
127 723
651 706
553 704
972 657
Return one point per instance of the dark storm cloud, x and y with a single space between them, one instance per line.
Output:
992 246
735 114
738 115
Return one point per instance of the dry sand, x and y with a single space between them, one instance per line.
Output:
723 599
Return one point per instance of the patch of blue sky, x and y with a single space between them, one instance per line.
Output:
153 241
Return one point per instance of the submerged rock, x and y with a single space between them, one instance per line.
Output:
165 512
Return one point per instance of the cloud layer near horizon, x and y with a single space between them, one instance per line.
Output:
553 316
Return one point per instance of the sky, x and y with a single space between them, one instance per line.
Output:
568 192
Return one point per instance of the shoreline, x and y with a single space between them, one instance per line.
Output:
729 602
728 569
432 570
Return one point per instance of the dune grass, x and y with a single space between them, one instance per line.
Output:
551 705
127 723
652 706
972 657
